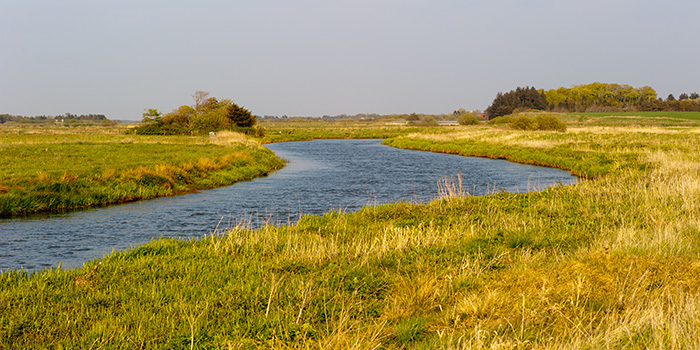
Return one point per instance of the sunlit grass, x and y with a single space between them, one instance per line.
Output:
47 172
610 262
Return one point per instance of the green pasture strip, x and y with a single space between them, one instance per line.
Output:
606 263
659 114
314 130
55 176
634 119
52 136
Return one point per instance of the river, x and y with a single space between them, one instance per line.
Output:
320 175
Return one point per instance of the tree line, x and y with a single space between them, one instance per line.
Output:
5 118
206 115
594 97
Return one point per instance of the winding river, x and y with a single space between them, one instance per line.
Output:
320 175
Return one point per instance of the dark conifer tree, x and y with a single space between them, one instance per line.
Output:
240 116
520 98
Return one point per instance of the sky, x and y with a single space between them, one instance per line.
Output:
331 57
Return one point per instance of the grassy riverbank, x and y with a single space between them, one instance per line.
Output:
52 172
611 262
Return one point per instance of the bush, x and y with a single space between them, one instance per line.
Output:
523 123
501 120
550 122
540 122
429 120
467 119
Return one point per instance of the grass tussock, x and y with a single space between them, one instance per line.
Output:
611 262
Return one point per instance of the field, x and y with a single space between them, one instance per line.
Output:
52 170
635 119
611 262
304 130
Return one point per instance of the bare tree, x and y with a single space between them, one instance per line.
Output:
199 98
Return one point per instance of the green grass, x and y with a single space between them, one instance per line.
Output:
304 130
660 114
635 119
58 172
611 262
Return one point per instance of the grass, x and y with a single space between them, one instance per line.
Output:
54 172
635 119
304 130
611 262
660 114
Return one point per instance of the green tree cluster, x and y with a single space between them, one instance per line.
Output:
208 114
521 98
602 97
599 97
594 97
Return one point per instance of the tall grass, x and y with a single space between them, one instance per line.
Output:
611 262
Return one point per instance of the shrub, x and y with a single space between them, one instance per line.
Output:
467 119
549 122
501 120
429 120
540 122
523 123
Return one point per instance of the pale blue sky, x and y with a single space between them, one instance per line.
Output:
313 57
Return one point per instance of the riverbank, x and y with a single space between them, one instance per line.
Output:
610 262
49 172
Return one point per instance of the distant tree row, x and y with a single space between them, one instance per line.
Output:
207 114
594 97
4 118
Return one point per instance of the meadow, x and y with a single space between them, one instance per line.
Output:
55 169
304 130
611 262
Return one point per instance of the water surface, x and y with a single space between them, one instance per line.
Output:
319 176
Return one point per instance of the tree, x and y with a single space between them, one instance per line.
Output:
180 117
413 118
670 98
600 97
208 105
207 114
520 98
199 98
238 116
682 97
151 115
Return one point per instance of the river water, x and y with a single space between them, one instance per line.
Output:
320 175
